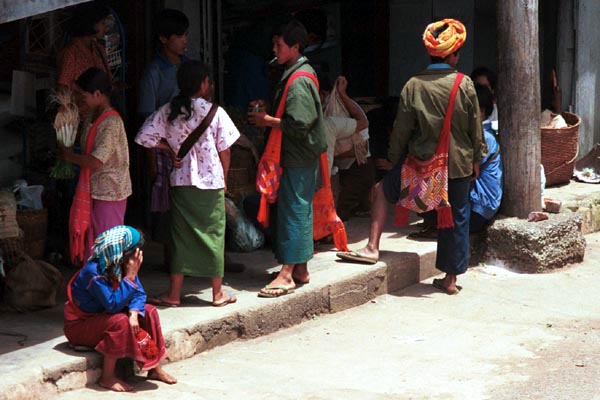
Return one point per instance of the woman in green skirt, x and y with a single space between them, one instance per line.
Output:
197 182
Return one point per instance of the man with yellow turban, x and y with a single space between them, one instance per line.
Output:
417 131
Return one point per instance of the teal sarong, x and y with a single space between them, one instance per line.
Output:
197 232
293 242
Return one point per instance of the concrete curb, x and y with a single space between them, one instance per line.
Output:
332 290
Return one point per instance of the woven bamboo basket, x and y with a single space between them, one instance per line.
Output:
12 248
560 148
34 224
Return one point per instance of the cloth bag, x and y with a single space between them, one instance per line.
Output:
80 215
335 107
424 184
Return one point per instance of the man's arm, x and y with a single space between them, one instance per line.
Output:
353 109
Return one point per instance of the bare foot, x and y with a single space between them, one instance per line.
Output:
368 252
115 384
159 374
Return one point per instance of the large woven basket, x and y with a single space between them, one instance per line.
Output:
34 224
560 148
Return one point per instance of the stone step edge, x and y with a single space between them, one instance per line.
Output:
386 276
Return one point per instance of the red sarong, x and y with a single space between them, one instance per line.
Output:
111 334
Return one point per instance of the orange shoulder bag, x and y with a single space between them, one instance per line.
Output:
424 184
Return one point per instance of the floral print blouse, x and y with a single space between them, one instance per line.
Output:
201 166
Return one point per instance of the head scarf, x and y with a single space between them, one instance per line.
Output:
452 34
110 245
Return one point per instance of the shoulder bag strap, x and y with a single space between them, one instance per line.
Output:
196 133
444 141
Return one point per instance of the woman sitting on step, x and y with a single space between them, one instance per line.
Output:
106 308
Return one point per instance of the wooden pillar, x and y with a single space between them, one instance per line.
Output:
519 105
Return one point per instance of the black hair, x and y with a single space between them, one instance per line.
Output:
293 33
171 22
315 21
485 98
488 73
85 16
139 245
190 76
94 79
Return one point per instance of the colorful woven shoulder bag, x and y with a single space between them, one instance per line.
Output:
424 184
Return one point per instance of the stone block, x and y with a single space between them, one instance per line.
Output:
534 247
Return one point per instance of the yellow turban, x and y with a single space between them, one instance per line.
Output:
451 36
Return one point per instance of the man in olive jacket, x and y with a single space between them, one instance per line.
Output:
417 128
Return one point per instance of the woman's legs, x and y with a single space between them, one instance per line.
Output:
173 294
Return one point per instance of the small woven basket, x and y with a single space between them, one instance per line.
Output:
560 148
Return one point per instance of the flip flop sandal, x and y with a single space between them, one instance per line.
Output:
159 302
439 284
229 300
283 291
356 257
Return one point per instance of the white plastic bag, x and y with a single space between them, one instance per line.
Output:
28 196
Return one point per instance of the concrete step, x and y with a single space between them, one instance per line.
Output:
45 365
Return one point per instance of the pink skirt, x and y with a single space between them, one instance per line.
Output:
111 335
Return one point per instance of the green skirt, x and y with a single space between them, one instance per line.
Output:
197 231
293 241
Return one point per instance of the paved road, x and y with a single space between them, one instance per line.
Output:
505 336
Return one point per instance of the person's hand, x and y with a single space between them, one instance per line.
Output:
342 84
383 164
133 264
133 321
475 171
177 163
259 118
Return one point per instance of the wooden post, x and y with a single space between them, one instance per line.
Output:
519 105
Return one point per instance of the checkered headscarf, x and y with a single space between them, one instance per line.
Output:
110 245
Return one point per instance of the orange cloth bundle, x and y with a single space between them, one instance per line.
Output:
451 35
80 215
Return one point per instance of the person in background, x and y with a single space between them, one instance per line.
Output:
198 182
486 77
419 120
84 51
106 309
485 195
158 86
303 142
108 161
351 134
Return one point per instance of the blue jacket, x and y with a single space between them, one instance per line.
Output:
486 191
93 293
